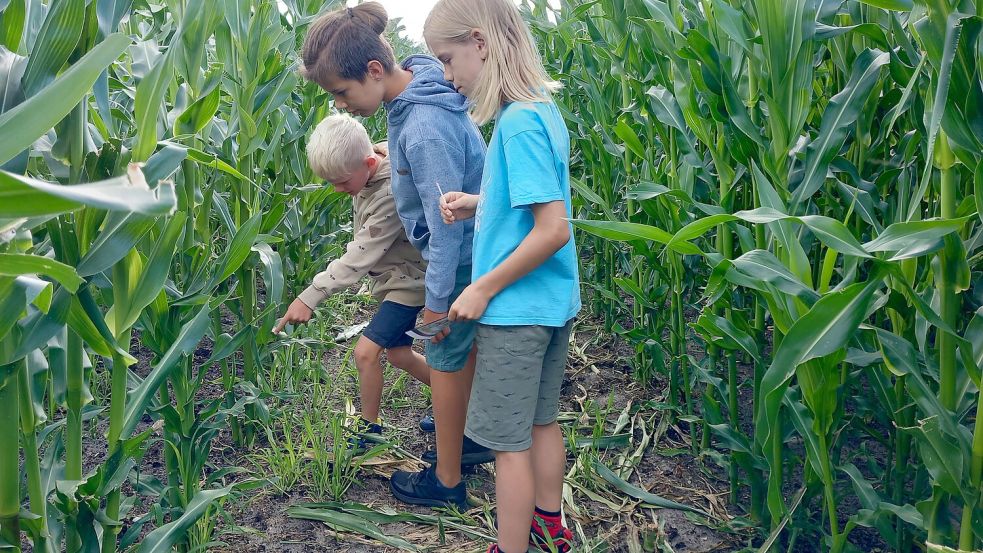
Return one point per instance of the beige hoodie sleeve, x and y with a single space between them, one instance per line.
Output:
367 248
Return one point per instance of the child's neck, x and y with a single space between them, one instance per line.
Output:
396 83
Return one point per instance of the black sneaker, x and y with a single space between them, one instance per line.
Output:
359 443
424 488
427 424
472 454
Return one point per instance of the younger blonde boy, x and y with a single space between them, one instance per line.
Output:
340 152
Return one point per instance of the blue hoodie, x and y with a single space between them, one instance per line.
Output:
433 140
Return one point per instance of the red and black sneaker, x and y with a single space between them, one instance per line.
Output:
549 534
493 548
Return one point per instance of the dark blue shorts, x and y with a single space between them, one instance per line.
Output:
389 324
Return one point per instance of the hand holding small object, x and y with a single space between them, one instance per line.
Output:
432 316
298 313
457 206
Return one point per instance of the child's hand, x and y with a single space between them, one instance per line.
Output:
470 305
431 316
457 206
298 312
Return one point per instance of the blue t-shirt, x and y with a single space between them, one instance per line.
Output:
528 162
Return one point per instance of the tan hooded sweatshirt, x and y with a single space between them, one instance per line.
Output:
379 248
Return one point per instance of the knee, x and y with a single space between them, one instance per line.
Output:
366 357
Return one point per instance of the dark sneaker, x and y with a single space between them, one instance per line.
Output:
360 442
424 488
472 454
427 424
549 534
493 548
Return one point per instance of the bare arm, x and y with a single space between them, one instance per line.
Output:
550 232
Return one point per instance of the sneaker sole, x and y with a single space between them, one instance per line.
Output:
424 501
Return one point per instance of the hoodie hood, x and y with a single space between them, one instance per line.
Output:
427 87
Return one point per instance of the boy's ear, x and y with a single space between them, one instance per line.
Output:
375 70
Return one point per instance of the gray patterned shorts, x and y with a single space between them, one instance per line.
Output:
516 383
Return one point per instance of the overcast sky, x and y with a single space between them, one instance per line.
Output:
413 12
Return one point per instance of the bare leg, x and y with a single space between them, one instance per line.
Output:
548 465
515 497
410 361
451 392
367 355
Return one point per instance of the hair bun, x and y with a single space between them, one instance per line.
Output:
372 14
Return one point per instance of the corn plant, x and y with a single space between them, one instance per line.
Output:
804 152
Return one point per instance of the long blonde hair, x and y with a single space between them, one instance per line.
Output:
513 71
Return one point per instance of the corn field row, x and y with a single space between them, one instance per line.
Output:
781 206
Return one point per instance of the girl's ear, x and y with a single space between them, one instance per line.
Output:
374 70
479 39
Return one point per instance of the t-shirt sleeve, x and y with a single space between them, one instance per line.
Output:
531 169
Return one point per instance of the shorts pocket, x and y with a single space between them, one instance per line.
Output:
521 341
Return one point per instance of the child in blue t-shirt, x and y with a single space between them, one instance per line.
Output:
525 286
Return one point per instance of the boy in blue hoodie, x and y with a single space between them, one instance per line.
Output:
434 148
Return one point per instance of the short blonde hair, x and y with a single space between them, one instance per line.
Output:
337 145
513 70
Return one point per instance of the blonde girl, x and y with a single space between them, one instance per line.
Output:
525 285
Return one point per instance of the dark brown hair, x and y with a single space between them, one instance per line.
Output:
342 43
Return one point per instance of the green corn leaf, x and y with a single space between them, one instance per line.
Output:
734 337
240 247
128 305
120 234
12 22
953 32
27 197
614 441
900 236
184 344
821 331
978 188
634 491
897 5
12 68
39 327
272 272
12 264
22 125
834 235
838 119
348 522
162 539
209 160
146 109
627 232
630 139
830 232
55 42
583 190
201 112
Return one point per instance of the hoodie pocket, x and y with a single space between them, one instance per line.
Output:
416 232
